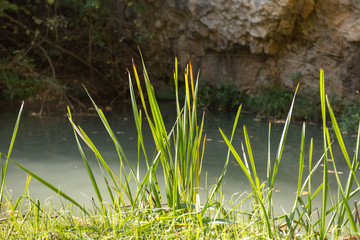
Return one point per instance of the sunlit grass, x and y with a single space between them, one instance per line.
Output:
139 207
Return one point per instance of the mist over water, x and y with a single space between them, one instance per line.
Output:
47 147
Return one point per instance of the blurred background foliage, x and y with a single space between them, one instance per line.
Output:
49 48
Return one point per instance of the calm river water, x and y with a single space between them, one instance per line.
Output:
47 147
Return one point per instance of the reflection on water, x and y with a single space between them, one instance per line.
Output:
47 147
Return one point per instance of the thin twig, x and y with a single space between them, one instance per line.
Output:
74 56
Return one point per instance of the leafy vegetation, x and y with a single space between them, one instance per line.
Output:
222 96
350 116
137 209
273 101
58 45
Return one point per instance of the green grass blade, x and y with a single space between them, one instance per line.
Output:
301 162
282 140
279 152
137 119
119 149
299 189
146 181
345 198
325 174
4 168
218 183
251 157
340 140
86 163
52 187
309 184
268 166
257 191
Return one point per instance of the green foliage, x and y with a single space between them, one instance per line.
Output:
6 5
350 116
307 106
19 82
222 96
296 77
272 101
70 39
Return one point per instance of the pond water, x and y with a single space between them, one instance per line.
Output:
47 147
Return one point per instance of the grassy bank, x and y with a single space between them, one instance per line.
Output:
177 211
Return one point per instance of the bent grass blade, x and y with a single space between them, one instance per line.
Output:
219 181
86 163
344 196
52 187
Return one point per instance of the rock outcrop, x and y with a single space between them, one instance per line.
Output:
257 42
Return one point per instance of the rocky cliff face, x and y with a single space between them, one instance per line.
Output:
257 42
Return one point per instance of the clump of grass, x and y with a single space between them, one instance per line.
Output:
139 208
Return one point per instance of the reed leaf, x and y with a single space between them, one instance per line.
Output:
251 158
86 163
219 181
282 142
325 174
290 218
12 141
344 197
345 194
52 187
341 141
255 189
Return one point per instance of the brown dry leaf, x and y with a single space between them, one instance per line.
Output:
283 227
235 163
278 121
351 237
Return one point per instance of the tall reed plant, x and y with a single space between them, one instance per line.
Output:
179 150
334 216
137 204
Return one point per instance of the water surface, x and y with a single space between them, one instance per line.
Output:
47 147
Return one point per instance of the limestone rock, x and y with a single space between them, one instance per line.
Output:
243 39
